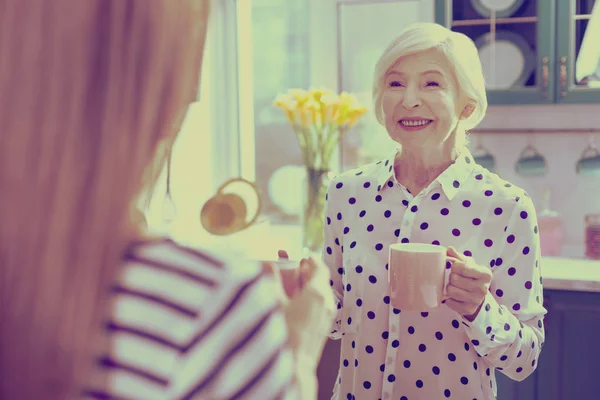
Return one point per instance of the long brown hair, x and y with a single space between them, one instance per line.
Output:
89 89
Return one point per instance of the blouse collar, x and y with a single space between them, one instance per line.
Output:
451 180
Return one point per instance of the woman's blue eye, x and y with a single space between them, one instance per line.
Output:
432 83
395 83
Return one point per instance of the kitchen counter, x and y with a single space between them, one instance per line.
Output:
262 241
573 274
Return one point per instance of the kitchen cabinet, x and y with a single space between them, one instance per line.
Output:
573 20
567 367
535 52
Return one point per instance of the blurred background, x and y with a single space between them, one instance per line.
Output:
542 65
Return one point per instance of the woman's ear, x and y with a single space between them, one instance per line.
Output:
467 111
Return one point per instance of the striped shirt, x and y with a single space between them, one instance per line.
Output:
189 325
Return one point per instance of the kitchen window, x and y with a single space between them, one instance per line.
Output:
285 44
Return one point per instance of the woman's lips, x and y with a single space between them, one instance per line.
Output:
414 124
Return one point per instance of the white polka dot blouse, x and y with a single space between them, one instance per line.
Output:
388 353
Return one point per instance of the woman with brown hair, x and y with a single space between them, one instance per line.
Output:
92 93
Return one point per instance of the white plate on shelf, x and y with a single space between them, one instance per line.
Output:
507 61
286 188
503 8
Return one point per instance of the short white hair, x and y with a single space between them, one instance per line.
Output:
460 52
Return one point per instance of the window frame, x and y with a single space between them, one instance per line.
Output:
239 145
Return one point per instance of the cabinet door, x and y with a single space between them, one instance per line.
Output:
513 390
509 389
578 51
569 367
328 369
515 42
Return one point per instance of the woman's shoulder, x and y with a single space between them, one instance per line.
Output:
358 176
175 304
199 264
197 282
500 190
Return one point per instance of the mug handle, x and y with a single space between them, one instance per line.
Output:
256 191
447 270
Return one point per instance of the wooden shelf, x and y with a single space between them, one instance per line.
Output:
534 131
497 21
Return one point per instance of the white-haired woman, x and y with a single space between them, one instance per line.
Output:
428 91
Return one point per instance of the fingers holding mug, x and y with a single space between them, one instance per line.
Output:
295 275
308 267
290 272
283 255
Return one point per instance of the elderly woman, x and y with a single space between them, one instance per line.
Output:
428 91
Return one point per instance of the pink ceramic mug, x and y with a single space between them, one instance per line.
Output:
418 274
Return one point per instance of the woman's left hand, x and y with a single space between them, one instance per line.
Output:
468 285
291 279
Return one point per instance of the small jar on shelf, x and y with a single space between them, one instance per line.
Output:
592 236
551 228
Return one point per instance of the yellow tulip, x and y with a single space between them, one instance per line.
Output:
349 98
313 109
319 117
354 115
288 105
318 94
303 117
341 117
330 106
290 115
345 97
344 106
350 110
300 95
315 94
285 102
329 98
311 104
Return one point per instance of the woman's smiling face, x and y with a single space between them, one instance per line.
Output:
421 103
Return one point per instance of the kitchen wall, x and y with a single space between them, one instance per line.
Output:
572 196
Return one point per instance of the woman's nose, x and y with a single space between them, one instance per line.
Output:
411 98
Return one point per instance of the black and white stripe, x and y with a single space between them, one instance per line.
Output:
187 325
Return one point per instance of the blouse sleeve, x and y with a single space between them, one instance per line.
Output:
508 332
332 253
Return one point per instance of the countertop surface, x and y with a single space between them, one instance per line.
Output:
262 241
571 274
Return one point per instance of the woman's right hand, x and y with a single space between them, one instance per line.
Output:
309 313
309 309
294 279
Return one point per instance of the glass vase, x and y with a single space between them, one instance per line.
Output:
313 217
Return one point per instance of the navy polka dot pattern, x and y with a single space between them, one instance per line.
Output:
396 354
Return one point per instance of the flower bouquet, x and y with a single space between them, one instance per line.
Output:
319 118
